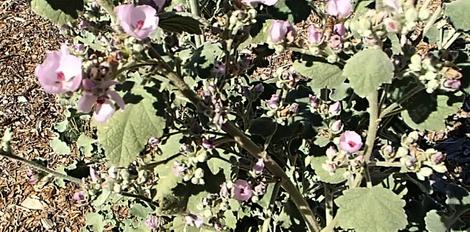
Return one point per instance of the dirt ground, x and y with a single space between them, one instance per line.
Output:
30 113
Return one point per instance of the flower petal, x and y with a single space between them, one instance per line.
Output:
116 98
86 102
104 111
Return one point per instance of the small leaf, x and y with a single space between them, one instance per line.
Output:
128 131
367 70
457 11
102 198
322 75
370 210
85 143
321 141
179 22
58 11
95 220
216 165
435 222
59 146
140 211
230 219
335 178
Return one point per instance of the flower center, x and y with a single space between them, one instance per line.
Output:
101 100
139 24
60 76
352 144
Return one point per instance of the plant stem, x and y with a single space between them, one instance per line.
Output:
371 134
195 11
39 167
254 150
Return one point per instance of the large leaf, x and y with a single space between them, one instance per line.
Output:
425 113
127 132
370 210
95 220
179 22
458 13
367 70
435 222
322 75
58 11
325 176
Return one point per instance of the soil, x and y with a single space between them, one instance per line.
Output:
30 113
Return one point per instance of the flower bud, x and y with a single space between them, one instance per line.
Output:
339 29
315 35
273 103
335 109
336 126
437 158
452 84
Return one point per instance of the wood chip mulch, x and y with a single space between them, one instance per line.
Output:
30 113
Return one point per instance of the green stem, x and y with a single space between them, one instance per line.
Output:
195 11
371 134
255 151
39 167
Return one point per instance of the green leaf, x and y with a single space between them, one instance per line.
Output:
140 211
321 141
59 146
370 210
322 75
340 92
58 11
95 220
425 113
457 11
435 222
325 176
86 144
128 131
230 219
102 198
179 22
61 126
216 165
367 70
264 127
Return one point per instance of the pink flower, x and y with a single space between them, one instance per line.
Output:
79 196
331 152
315 35
314 101
153 222
274 101
279 30
137 21
335 42
335 109
93 175
97 95
255 2
392 4
339 8
350 141
391 25
339 29
259 166
241 190
452 84
60 72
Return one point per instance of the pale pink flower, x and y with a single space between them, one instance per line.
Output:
255 2
93 174
274 101
98 95
259 166
392 4
241 190
79 196
60 72
452 84
336 126
331 152
153 222
208 143
350 141
339 29
280 30
315 35
391 25
339 8
335 108
313 100
335 42
137 21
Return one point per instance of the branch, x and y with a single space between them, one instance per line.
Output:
255 151
39 167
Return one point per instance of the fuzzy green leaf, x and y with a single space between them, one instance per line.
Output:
95 220
425 113
367 70
58 11
59 146
457 11
322 75
179 22
128 131
434 222
383 211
